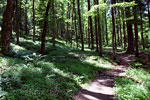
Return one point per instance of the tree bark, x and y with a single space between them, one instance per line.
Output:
148 12
130 48
45 29
33 20
53 27
26 19
113 33
17 22
106 26
80 26
136 30
124 29
96 29
99 32
91 26
141 24
7 26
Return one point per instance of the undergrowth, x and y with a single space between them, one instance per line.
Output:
26 75
136 86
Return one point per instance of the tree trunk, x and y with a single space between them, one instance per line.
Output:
120 27
26 19
106 26
148 12
80 25
96 29
113 33
130 48
53 27
7 26
124 29
17 22
76 27
136 30
45 29
91 27
141 24
99 31
33 20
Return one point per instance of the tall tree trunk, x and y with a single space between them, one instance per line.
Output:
136 30
26 18
148 12
141 24
99 32
124 29
120 26
113 33
130 48
106 26
89 38
91 26
54 24
96 29
17 22
7 26
76 27
33 20
45 29
80 25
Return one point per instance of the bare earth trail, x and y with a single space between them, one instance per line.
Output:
102 87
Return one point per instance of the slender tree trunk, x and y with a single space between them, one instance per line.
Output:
106 26
89 39
96 29
80 25
124 29
45 29
148 12
76 28
7 26
17 22
120 26
33 20
53 27
141 24
113 33
26 19
130 48
99 32
136 30
91 26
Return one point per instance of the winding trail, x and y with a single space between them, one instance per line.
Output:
101 88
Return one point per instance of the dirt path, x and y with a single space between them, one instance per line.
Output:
102 87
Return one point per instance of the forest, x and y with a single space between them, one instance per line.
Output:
74 49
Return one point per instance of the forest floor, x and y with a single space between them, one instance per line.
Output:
101 88
64 71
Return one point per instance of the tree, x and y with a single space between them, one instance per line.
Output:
17 22
7 26
113 32
99 31
45 28
130 48
95 18
33 9
136 30
80 25
91 26
26 18
53 27
148 12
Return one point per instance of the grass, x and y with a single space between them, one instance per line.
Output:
26 75
128 89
